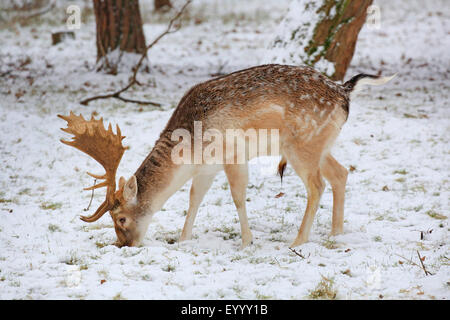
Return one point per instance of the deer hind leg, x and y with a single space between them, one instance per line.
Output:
312 178
200 185
237 175
336 175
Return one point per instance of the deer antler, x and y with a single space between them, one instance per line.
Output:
104 146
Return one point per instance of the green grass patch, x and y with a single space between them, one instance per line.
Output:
119 297
433 214
419 188
73 260
100 245
261 296
50 205
230 233
53 228
170 237
324 290
25 191
169 268
236 258
329 244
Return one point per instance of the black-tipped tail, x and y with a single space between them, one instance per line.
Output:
355 83
350 84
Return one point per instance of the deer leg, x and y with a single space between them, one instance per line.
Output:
200 185
237 175
314 186
336 175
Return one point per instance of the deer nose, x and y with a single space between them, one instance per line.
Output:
134 243
127 243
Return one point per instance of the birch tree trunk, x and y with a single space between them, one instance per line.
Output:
119 31
320 33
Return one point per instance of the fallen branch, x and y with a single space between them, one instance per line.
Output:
19 68
298 253
117 95
38 12
50 7
282 267
423 266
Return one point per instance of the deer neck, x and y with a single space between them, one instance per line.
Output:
158 178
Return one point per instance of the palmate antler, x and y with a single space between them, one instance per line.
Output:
104 146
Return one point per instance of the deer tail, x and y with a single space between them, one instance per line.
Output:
282 167
356 83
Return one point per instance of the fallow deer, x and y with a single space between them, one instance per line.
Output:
306 108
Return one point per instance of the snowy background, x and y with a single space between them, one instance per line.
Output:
395 144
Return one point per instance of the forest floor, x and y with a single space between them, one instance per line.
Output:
395 144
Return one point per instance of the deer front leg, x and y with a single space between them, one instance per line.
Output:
200 185
237 175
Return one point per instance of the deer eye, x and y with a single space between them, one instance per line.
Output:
122 220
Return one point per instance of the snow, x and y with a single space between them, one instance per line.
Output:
295 33
395 144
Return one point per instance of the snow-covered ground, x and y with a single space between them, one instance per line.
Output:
395 143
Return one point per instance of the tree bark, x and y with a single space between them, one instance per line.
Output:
119 30
161 5
321 33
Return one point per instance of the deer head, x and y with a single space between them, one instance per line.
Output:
106 148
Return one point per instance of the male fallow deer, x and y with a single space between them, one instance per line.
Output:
306 108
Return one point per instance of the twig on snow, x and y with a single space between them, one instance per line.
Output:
117 95
19 68
422 266
23 17
298 253
282 267
427 273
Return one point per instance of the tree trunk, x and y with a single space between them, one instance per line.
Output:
320 33
119 31
161 5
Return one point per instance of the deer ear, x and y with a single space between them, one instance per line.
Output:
121 182
130 189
